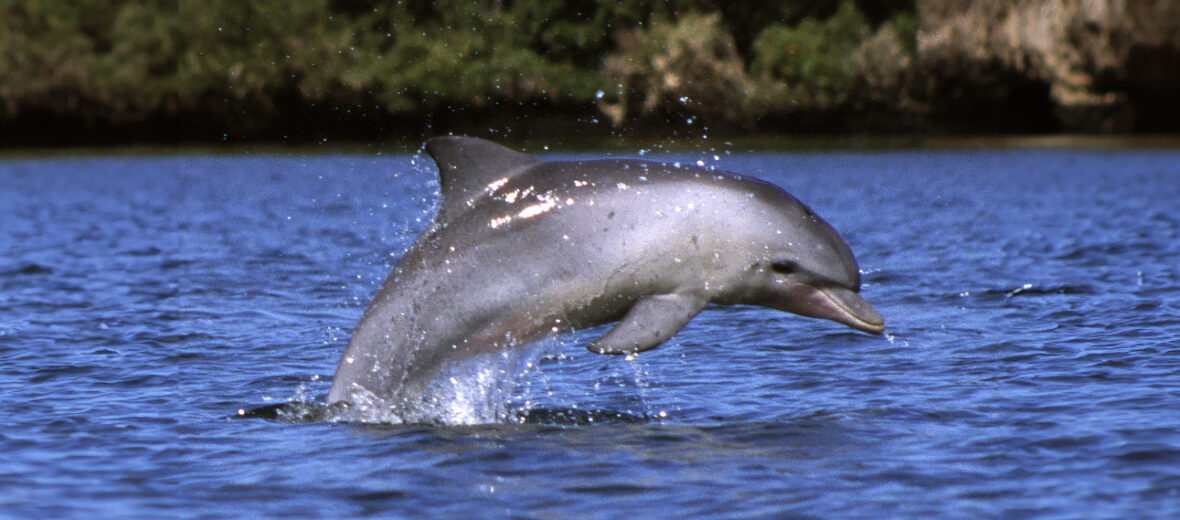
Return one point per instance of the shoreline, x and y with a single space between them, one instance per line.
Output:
232 72
761 143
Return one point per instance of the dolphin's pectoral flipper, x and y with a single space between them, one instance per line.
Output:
651 321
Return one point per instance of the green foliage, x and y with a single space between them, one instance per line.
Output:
246 52
690 64
473 54
905 29
816 59
407 57
247 62
94 59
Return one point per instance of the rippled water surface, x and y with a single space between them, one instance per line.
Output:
1031 367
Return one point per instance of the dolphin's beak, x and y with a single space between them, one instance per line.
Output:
849 308
835 303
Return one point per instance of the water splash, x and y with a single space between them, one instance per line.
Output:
479 390
476 390
507 387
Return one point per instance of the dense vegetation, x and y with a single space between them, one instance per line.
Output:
275 69
269 68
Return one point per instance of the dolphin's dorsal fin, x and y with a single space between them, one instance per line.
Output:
469 167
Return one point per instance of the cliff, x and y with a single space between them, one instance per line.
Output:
1101 65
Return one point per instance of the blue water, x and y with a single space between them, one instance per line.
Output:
1031 367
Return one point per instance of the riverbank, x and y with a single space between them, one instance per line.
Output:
111 73
706 148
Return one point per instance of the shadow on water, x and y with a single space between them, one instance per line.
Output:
307 412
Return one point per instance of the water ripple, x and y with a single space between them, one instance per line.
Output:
1029 368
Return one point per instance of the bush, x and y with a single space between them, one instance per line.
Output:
89 59
254 67
689 65
815 61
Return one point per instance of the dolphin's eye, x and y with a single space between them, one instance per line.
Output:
784 267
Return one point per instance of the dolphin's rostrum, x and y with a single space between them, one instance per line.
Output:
523 248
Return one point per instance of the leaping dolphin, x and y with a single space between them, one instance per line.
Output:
523 248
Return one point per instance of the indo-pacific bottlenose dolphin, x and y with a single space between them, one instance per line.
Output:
522 248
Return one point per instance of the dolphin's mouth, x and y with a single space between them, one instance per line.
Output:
830 302
847 307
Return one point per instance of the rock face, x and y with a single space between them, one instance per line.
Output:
1104 65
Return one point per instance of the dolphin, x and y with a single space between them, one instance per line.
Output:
523 248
